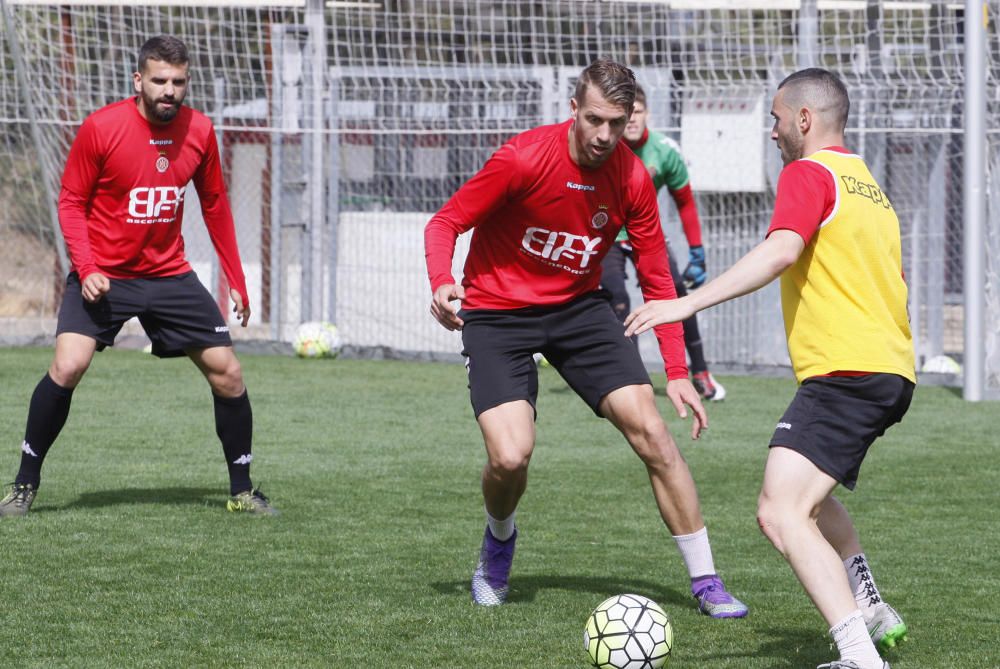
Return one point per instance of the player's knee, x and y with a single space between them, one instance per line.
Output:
67 370
653 443
769 518
228 381
508 463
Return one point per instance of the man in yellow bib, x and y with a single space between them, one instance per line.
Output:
834 241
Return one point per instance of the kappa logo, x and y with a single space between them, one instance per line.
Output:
574 186
574 251
244 459
222 328
784 426
26 448
870 191
161 142
158 204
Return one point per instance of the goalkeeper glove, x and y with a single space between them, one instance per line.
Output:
695 274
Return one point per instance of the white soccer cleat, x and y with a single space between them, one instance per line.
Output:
720 390
886 627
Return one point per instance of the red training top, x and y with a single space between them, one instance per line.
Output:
122 198
543 224
806 196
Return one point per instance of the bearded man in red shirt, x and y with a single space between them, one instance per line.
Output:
546 208
120 210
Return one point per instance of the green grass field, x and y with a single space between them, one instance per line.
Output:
128 558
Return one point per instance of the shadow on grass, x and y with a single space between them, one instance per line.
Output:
784 648
167 496
525 588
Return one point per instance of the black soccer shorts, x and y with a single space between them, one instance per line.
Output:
175 311
833 420
582 339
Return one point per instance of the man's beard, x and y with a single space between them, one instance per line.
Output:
160 114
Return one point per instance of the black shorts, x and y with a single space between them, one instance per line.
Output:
834 419
582 339
175 311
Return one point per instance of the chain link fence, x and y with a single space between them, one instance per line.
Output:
344 128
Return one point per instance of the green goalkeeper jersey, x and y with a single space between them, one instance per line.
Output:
662 157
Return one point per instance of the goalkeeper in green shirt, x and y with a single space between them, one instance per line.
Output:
662 157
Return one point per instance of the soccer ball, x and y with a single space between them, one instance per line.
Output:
628 632
316 339
942 364
541 360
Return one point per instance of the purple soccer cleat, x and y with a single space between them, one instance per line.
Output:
713 600
489 581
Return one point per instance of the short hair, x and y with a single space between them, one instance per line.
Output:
163 48
640 95
820 90
615 82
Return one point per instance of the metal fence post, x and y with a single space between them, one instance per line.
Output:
974 199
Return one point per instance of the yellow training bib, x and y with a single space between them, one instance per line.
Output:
844 299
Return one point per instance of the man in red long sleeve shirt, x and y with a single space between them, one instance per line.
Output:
546 208
120 211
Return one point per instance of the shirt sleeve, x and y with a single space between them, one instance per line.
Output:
688 211
480 196
675 173
218 215
653 271
79 178
806 197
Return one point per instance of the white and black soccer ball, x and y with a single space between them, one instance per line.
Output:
628 632
942 364
316 339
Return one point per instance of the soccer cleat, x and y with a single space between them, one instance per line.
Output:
846 664
251 501
886 627
489 581
18 500
713 600
708 387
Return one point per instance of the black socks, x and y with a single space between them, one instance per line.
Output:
234 425
46 416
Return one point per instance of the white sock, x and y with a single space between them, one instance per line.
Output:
500 529
853 642
696 552
862 584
